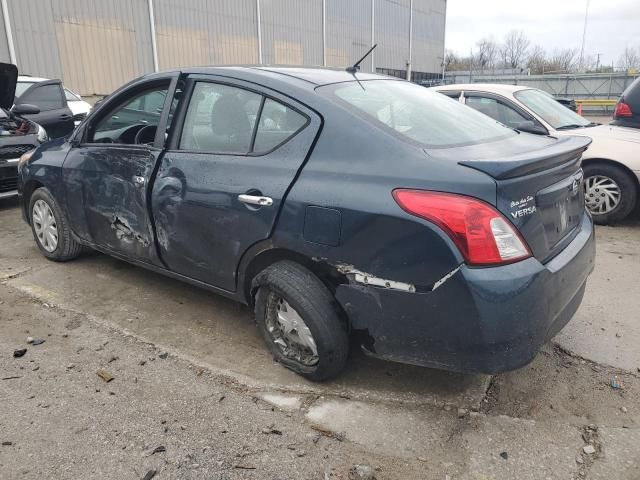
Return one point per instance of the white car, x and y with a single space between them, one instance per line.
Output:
79 107
611 164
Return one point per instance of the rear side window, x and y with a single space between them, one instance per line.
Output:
417 114
226 119
46 97
277 123
496 110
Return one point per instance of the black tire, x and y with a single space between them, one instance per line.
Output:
313 301
628 191
67 248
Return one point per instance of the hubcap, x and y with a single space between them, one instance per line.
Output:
601 194
289 332
44 223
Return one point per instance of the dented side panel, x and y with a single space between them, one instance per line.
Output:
107 201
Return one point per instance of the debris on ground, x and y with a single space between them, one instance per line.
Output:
271 431
623 409
14 377
158 449
19 353
462 412
112 359
616 384
244 467
29 339
37 341
7 444
328 433
149 475
504 455
104 375
589 449
163 355
361 472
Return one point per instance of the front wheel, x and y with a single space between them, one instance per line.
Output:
299 321
610 193
50 228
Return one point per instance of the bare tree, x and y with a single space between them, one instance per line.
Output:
487 54
630 58
562 61
514 49
536 60
454 63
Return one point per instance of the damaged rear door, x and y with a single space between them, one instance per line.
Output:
109 171
235 150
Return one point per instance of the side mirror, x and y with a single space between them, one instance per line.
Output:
531 127
25 109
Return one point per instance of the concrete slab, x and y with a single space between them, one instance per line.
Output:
620 458
606 328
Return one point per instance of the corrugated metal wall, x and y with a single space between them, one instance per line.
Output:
428 35
391 34
202 32
97 45
4 47
291 32
348 32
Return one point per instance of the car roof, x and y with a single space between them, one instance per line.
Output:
311 76
498 88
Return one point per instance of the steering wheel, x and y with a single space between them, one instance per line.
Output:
146 135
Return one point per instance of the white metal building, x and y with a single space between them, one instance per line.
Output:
96 45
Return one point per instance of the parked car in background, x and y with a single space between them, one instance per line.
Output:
611 164
570 103
333 205
56 114
17 134
627 112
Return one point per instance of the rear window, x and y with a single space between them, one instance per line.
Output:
417 114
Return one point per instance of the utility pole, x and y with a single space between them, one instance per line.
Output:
584 35
598 61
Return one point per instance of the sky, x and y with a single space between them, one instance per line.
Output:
553 24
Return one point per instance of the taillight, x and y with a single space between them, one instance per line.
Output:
622 110
483 235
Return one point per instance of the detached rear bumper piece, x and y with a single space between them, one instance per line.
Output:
480 320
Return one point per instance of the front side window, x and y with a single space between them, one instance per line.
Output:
552 112
416 113
496 110
122 124
224 119
21 87
45 97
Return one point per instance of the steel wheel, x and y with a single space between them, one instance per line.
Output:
45 226
289 332
602 194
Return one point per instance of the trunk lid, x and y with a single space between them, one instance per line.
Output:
540 192
8 79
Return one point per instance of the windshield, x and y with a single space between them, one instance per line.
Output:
21 87
417 114
552 112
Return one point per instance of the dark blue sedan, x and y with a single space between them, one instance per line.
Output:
336 204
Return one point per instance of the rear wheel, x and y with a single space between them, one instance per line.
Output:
610 192
50 228
299 321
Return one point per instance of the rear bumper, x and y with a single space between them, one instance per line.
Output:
484 320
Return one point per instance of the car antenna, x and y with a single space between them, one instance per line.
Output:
353 69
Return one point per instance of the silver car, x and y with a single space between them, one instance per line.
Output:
611 164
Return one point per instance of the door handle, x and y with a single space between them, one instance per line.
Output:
138 179
65 117
256 200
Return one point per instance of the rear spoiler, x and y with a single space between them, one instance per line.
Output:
565 149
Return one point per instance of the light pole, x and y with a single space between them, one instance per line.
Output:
584 35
